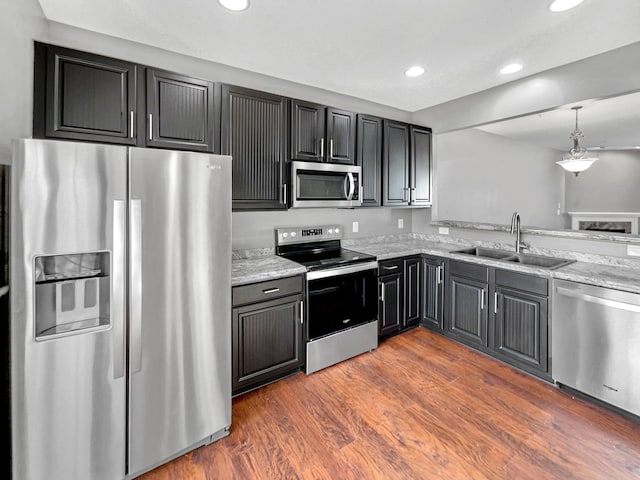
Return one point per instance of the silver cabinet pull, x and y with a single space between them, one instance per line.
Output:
301 312
382 293
284 193
118 285
495 302
322 148
331 148
131 124
135 286
482 300
270 290
438 274
150 126
392 267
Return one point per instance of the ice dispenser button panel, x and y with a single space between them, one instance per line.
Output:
72 293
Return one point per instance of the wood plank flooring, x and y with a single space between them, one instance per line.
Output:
418 407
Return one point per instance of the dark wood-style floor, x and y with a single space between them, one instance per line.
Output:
418 407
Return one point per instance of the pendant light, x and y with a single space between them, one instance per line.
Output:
578 159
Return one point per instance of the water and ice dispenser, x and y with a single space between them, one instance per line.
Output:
72 293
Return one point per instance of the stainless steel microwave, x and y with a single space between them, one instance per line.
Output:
325 185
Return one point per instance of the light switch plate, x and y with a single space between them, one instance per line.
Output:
633 250
443 230
354 227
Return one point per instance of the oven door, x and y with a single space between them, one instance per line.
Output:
340 299
325 185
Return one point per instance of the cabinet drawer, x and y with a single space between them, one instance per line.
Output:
258 292
522 281
388 267
469 270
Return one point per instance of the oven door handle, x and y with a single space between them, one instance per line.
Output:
334 272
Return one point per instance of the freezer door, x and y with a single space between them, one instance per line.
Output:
180 303
68 381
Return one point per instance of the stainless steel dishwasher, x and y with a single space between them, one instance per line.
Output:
596 342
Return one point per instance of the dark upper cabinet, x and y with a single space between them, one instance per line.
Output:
468 296
81 96
254 132
433 292
406 178
369 157
179 112
412 290
322 134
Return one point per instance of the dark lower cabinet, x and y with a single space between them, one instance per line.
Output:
369 157
412 289
267 342
432 287
179 112
400 282
521 320
81 96
391 306
254 132
468 294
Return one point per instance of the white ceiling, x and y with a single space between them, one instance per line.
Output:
362 47
612 123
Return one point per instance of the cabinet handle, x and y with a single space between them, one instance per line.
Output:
393 267
131 124
150 126
404 194
495 302
438 274
331 148
284 193
301 312
482 300
382 293
322 148
270 290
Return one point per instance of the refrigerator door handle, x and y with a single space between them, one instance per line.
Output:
118 278
135 286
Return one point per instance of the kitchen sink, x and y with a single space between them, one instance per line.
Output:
539 260
485 252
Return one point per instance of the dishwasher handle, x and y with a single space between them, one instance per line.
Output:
599 300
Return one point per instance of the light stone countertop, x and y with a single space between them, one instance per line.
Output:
611 275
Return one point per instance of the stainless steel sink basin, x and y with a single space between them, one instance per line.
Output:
532 260
485 252
539 260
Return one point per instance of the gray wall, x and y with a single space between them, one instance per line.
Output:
484 178
612 184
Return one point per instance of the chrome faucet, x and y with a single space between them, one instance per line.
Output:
515 228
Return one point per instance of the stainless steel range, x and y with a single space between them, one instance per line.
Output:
341 295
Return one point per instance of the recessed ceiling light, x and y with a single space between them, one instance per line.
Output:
414 71
511 68
235 5
562 5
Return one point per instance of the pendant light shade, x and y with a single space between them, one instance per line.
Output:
578 159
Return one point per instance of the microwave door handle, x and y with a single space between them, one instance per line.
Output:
345 188
352 186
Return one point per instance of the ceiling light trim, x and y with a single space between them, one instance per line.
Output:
558 6
511 68
414 71
235 5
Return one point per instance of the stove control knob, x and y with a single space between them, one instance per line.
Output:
330 231
285 235
293 234
337 230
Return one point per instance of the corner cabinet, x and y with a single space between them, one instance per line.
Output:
406 178
322 134
254 133
433 269
180 112
81 96
400 282
267 341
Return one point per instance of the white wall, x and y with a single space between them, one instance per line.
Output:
484 178
612 184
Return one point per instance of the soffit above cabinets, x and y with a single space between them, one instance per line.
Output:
361 48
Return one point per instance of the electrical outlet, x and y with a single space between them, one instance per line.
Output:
400 223
443 230
354 227
633 250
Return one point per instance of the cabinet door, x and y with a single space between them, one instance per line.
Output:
521 328
80 96
432 292
412 283
253 132
420 166
468 310
307 131
395 164
369 157
267 342
341 136
180 112
391 303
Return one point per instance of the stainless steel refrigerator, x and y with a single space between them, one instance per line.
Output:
120 285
